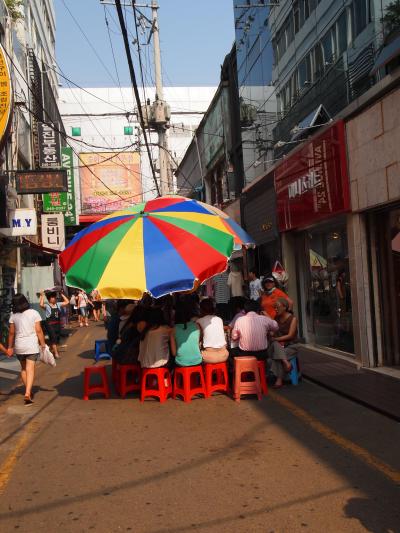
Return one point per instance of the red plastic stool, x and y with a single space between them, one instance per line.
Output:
246 365
263 378
164 384
183 382
115 373
99 387
128 379
218 371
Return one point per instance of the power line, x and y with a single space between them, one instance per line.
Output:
53 126
88 41
133 79
113 55
140 63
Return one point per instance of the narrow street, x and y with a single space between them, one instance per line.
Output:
279 465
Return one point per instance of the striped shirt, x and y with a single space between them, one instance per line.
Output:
252 331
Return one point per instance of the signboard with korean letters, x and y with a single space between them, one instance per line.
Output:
53 231
49 145
21 222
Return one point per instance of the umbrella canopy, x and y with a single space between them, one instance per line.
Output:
166 245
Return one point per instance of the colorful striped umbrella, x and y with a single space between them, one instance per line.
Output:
165 245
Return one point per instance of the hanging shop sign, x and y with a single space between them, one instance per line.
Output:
49 145
41 181
63 202
313 184
55 202
6 97
53 231
67 162
21 222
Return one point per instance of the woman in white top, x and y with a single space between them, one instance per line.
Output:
24 337
154 344
212 326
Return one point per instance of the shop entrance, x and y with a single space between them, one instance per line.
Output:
326 291
388 240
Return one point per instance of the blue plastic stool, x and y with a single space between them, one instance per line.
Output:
99 353
294 374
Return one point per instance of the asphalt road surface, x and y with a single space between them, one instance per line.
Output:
302 459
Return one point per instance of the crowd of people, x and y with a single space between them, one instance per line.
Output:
186 330
176 330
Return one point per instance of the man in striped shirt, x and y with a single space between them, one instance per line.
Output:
252 332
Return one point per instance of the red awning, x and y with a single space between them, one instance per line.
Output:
89 219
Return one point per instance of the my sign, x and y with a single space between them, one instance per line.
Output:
53 231
21 222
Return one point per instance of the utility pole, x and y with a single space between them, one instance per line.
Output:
161 112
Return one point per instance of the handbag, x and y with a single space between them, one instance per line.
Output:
46 357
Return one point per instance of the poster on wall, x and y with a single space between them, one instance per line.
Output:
53 231
107 179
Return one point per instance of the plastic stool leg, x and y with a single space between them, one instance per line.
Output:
294 375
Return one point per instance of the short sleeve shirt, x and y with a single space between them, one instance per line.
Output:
268 301
26 341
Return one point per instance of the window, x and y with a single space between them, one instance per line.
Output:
318 61
128 130
296 16
359 16
76 132
326 43
305 76
341 26
328 295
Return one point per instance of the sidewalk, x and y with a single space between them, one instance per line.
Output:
9 373
377 391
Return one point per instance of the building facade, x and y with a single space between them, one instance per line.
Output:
27 34
105 132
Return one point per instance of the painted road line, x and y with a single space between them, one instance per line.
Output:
339 440
9 464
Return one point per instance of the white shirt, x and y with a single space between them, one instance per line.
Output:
154 348
26 341
213 331
235 282
82 300
255 288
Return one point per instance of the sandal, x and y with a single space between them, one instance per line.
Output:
277 386
28 400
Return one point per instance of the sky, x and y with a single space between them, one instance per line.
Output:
195 37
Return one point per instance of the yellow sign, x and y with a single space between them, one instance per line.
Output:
5 95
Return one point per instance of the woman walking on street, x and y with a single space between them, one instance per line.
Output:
83 303
53 318
24 338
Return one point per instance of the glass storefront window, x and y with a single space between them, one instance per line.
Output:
328 294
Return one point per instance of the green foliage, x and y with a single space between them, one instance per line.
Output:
391 18
13 8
